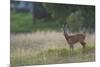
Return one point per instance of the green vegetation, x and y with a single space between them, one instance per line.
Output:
81 16
23 22
53 56
77 17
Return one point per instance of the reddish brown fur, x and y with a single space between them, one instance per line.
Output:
72 39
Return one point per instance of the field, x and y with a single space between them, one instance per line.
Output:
48 48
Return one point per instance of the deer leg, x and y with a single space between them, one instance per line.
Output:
83 44
71 49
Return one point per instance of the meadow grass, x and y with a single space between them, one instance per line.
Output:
56 56
48 48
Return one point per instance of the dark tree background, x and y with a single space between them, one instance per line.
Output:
52 16
75 16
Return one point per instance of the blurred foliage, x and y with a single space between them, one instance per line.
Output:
77 17
21 22
75 20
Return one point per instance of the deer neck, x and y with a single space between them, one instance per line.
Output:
66 34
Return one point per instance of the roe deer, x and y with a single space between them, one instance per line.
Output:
72 39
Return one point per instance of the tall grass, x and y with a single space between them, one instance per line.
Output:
55 56
48 48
